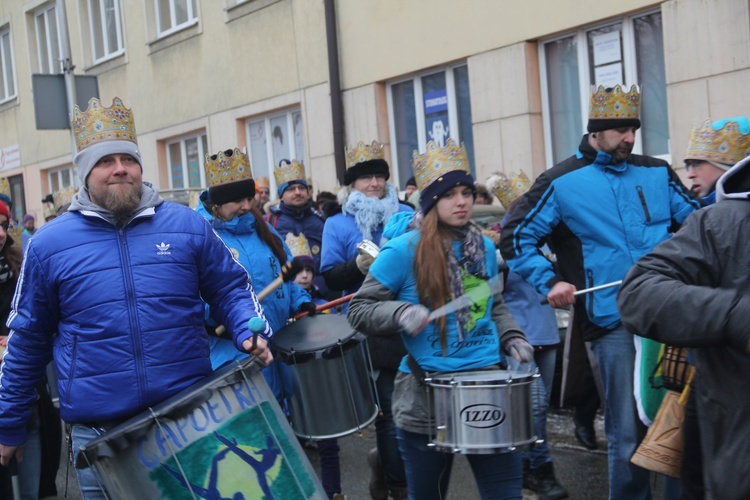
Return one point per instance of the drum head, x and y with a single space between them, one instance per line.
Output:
319 336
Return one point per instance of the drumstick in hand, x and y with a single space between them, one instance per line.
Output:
289 271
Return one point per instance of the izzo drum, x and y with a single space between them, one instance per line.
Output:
225 437
485 411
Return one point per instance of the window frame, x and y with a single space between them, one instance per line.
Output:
107 55
174 28
8 79
268 130
44 11
630 69
198 135
453 118
57 172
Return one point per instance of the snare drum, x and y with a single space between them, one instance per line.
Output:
486 411
332 390
222 437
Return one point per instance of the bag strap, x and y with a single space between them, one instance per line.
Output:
416 370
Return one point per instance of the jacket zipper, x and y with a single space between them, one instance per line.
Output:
136 338
590 278
643 203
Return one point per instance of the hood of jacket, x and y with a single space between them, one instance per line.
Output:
735 183
150 198
244 224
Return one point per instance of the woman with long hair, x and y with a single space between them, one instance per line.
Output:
230 207
441 256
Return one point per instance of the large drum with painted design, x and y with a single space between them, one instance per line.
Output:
484 411
221 438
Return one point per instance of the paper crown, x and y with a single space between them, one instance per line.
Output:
287 172
5 187
614 103
14 231
724 141
99 124
363 152
48 211
263 182
298 245
436 162
63 196
226 167
509 187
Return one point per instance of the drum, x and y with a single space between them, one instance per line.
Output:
332 389
486 411
225 437
674 368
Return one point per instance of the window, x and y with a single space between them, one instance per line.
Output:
7 73
60 178
273 138
626 51
173 15
47 40
429 107
185 160
106 29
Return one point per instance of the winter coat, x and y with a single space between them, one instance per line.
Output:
125 305
692 290
600 217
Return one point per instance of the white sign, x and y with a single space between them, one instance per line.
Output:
609 75
606 48
10 157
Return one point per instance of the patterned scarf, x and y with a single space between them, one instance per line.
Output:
368 212
471 262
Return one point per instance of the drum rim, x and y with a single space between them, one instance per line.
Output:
447 379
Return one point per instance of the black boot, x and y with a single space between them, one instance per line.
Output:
378 488
542 482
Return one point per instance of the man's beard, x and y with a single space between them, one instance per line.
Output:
119 203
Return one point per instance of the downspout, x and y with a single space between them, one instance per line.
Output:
337 108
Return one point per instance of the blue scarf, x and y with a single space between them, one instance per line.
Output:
369 212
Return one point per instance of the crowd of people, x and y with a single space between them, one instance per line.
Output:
131 299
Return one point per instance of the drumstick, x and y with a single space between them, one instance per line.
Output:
327 305
589 290
256 325
289 271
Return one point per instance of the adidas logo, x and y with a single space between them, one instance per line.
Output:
162 249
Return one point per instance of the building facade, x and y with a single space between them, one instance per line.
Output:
301 78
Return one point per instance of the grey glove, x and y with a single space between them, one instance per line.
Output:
413 319
519 348
364 262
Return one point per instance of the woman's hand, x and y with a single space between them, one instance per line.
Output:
519 348
413 319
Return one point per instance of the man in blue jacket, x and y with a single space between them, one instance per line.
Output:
112 291
600 210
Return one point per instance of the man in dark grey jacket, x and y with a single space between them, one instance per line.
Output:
694 290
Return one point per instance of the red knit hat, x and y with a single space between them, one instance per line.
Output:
4 210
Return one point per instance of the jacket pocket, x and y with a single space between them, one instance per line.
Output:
644 203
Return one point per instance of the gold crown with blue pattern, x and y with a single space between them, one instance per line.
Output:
5 187
724 141
298 245
364 152
509 187
613 103
439 170
14 231
289 171
63 196
100 124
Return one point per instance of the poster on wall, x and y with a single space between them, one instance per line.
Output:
436 116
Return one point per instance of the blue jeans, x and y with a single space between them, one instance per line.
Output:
330 468
30 468
385 432
89 480
428 471
541 389
615 353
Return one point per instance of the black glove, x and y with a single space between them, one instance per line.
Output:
309 308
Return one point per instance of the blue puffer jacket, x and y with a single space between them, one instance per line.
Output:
125 305
600 217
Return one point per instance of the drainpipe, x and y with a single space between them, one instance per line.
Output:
337 107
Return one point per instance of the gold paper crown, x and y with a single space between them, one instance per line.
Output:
509 187
63 196
727 145
437 161
298 245
363 152
287 172
48 211
226 167
263 182
99 124
5 187
615 103
14 231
